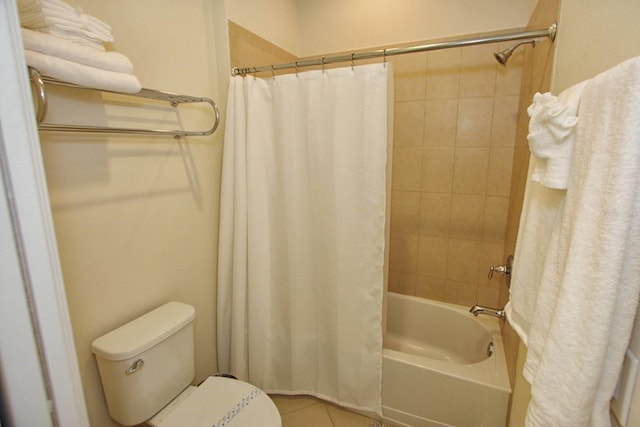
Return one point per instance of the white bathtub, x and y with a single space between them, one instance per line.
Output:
436 371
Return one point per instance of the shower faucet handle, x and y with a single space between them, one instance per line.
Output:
502 269
505 269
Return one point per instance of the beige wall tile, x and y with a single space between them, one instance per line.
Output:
405 211
461 178
508 78
440 123
474 122
407 165
403 252
499 173
432 256
496 213
505 121
435 214
437 170
408 130
477 71
443 73
410 76
462 293
466 217
463 260
402 283
470 170
431 287
488 296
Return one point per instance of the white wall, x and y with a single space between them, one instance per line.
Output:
311 27
274 20
338 25
136 217
593 37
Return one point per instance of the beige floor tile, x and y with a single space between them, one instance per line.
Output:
286 404
311 416
308 411
343 418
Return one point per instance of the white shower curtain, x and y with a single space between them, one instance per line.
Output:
302 234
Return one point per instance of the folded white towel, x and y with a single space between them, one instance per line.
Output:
590 283
55 46
82 41
551 135
83 75
61 19
51 4
96 25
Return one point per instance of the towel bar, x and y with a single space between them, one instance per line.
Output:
173 99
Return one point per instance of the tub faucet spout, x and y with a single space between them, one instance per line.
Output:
478 309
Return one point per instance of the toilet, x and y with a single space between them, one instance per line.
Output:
147 366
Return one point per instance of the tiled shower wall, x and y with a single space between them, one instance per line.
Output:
454 132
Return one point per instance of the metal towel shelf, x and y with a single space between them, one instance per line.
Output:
173 99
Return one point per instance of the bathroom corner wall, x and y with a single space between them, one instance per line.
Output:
136 217
249 50
455 127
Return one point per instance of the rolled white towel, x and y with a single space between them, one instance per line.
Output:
55 46
82 75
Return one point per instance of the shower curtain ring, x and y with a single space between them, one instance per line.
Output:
273 72
352 61
384 57
322 62
296 65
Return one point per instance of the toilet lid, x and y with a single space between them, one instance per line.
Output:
220 401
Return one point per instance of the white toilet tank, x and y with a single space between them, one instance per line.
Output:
147 362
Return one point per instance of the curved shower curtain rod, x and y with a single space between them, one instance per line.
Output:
547 32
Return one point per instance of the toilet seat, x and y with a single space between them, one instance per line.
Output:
220 401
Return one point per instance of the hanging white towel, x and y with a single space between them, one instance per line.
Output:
55 46
82 75
551 139
588 293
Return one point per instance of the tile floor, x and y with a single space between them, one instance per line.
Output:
307 411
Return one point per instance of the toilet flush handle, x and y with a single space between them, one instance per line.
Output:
138 364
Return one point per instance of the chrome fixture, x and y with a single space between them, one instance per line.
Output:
549 32
137 365
478 309
174 100
503 56
490 349
505 270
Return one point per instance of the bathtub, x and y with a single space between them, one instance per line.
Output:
442 366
